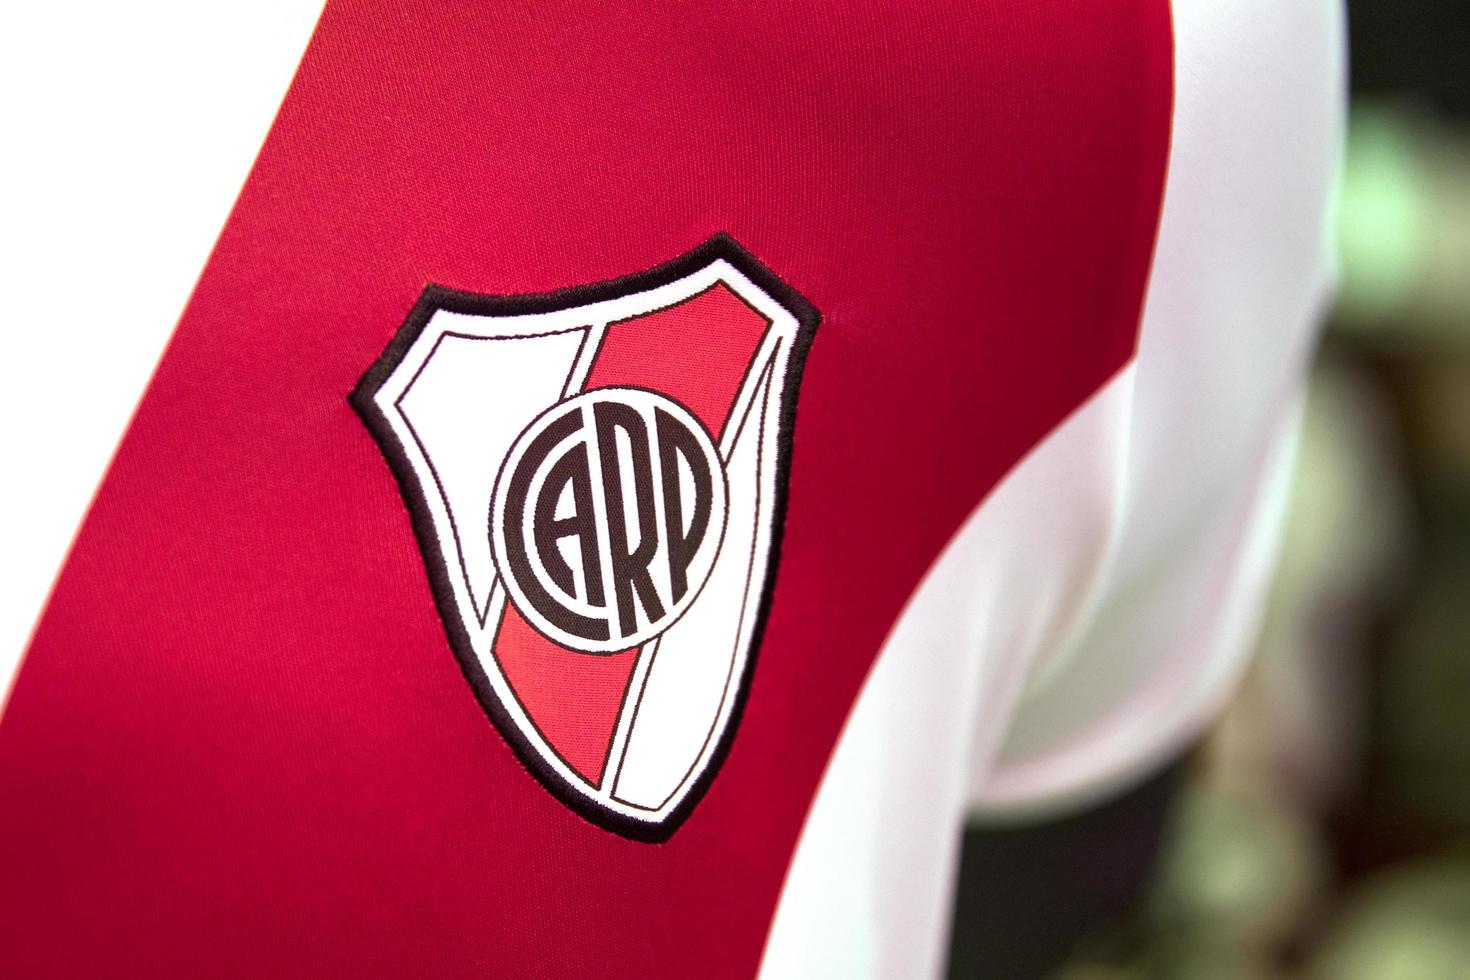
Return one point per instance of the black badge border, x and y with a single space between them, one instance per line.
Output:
435 298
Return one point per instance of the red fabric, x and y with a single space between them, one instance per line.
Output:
240 746
656 351
573 698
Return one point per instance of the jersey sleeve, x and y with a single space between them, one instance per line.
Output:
1241 275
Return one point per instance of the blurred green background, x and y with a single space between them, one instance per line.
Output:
1323 831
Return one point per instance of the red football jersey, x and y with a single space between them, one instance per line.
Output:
629 478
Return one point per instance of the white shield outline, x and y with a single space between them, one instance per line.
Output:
570 318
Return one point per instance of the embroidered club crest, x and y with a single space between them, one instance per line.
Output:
597 482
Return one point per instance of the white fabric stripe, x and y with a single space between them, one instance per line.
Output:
130 129
1238 284
867 892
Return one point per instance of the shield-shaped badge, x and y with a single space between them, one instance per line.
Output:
597 479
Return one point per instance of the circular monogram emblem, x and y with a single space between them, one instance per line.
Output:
607 516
